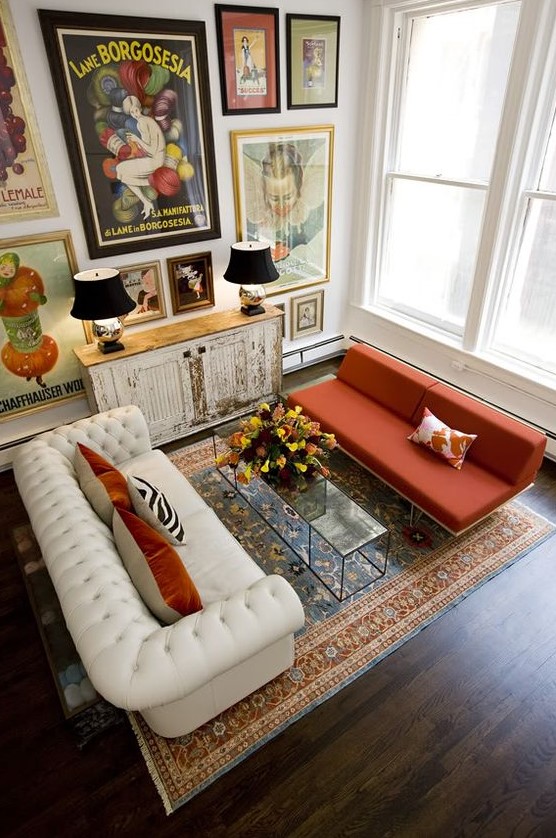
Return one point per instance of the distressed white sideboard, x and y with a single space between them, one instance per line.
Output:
189 375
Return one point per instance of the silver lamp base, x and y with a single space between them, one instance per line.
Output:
108 333
251 297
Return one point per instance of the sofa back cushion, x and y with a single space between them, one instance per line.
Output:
155 569
504 446
388 381
101 483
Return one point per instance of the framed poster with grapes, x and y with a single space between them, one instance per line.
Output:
37 364
25 186
134 100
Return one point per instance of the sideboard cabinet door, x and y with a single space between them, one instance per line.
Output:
158 382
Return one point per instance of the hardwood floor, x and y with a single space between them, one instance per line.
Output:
454 734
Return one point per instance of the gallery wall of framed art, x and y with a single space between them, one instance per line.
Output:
81 62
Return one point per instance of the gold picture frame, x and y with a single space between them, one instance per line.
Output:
26 191
38 366
283 196
143 283
307 314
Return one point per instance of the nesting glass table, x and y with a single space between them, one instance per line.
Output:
342 543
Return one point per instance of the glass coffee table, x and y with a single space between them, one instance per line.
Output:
342 543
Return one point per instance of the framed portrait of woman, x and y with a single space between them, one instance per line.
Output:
134 100
283 195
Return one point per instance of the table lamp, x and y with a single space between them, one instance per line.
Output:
251 267
101 297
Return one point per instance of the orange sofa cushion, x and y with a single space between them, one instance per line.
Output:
386 380
504 446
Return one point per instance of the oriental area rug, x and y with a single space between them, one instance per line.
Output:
429 571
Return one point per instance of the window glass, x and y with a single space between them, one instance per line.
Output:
457 69
430 250
526 328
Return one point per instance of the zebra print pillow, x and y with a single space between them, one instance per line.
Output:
152 505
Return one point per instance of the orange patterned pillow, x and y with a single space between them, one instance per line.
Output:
102 484
155 569
434 434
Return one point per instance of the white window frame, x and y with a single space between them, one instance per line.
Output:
529 87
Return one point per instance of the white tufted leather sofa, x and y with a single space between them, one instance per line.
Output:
177 676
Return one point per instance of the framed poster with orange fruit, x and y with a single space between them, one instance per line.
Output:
37 364
134 100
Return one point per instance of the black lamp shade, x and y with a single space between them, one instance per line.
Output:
99 295
250 264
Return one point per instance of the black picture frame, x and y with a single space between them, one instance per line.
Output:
142 182
246 85
312 58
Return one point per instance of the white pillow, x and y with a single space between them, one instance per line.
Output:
152 505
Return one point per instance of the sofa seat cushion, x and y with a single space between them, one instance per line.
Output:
101 483
155 568
216 562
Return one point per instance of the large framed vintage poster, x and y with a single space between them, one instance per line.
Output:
135 103
38 366
25 186
283 193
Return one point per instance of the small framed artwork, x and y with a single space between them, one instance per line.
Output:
312 49
38 366
249 59
144 285
307 314
191 283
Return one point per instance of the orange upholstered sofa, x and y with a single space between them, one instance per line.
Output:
374 404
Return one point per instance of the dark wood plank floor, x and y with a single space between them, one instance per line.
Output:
452 735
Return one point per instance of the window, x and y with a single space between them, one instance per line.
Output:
463 192
526 317
454 68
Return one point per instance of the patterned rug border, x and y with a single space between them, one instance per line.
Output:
448 595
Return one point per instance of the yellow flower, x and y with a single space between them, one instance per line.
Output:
281 461
265 466
264 406
293 446
255 422
300 466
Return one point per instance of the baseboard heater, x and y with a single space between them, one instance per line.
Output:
301 352
548 433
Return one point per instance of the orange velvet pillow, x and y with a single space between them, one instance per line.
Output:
155 568
101 483
447 443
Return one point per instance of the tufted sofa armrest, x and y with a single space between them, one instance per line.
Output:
164 665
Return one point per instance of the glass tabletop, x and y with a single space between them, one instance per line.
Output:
344 524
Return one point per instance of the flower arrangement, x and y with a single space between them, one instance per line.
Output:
279 444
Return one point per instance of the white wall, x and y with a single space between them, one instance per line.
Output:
344 118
